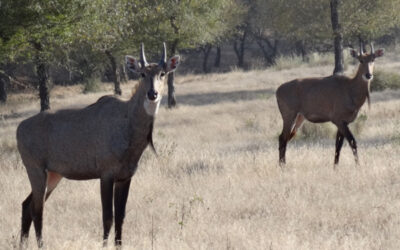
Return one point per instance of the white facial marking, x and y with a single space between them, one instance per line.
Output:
151 107
370 69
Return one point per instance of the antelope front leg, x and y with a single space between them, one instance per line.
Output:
106 186
26 220
339 144
344 129
121 192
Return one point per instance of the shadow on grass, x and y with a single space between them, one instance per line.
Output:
218 97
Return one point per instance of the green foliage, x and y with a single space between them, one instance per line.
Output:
292 19
185 23
385 80
369 19
309 20
49 23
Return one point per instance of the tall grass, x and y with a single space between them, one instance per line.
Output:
313 59
216 183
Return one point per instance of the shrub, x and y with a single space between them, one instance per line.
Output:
385 80
91 85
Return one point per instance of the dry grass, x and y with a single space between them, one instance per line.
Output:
217 184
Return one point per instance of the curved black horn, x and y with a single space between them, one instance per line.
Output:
372 48
163 60
143 61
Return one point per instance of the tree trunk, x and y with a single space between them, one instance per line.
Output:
171 78
43 77
239 49
122 74
218 57
271 56
206 51
171 90
301 50
338 37
3 88
114 73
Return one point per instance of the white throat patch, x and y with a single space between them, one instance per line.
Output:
152 107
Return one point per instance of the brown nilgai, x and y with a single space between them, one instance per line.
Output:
334 98
104 140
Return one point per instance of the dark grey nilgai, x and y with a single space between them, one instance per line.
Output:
334 98
104 140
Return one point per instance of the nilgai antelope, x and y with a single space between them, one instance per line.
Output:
104 140
334 98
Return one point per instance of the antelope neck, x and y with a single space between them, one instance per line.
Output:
360 87
138 113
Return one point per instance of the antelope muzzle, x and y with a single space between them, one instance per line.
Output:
152 95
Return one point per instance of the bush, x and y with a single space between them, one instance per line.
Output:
385 80
91 85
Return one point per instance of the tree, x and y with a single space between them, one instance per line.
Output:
338 37
206 49
265 27
3 86
181 24
108 27
316 22
36 30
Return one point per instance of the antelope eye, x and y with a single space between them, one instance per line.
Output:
143 74
162 74
361 61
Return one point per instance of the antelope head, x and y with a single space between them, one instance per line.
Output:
366 68
153 76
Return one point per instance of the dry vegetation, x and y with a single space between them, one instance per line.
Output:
216 183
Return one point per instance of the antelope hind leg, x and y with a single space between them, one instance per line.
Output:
38 179
106 186
26 221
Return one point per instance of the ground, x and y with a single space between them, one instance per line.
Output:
216 183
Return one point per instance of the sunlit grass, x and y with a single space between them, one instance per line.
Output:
216 183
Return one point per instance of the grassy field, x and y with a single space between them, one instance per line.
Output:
217 184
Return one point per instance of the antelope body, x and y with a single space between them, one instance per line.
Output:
104 140
334 98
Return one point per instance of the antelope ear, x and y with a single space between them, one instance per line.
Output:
132 64
173 63
354 53
379 52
